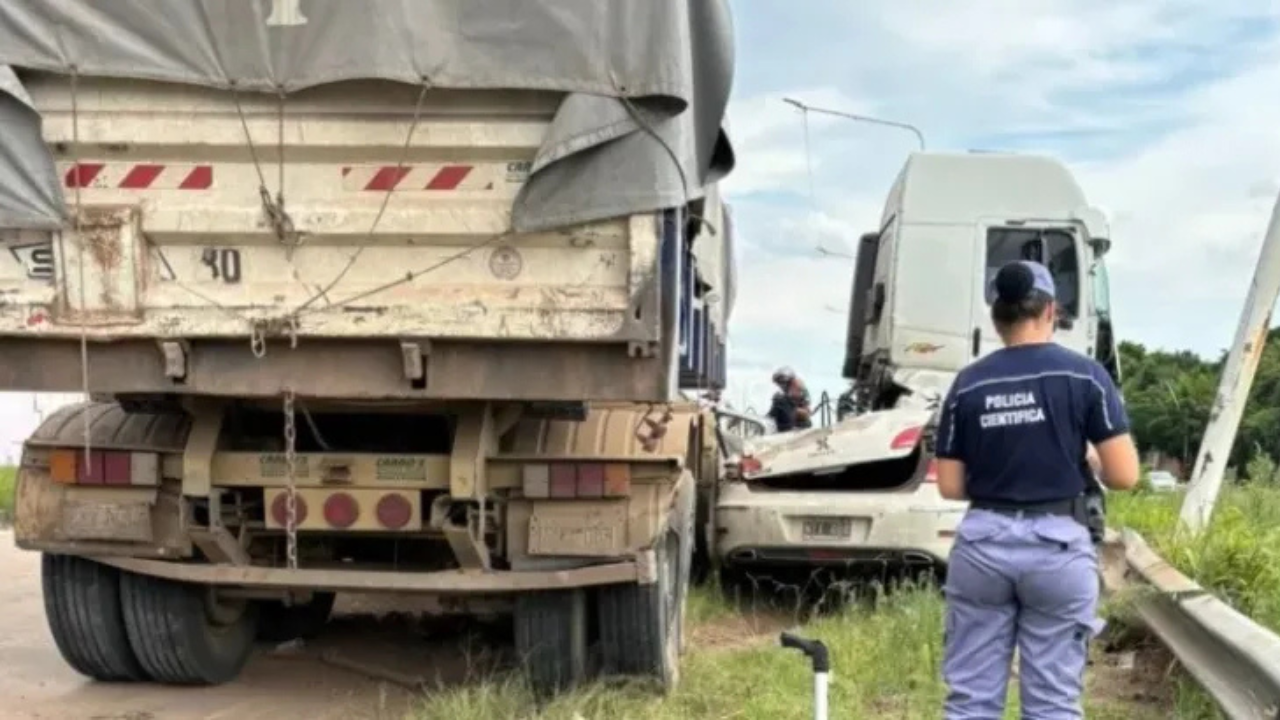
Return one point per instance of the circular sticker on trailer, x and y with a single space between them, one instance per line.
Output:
505 263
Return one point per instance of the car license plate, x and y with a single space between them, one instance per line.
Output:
827 529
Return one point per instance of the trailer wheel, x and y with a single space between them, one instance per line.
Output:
551 639
184 634
642 626
278 622
82 604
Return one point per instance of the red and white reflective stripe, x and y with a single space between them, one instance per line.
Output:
439 178
137 176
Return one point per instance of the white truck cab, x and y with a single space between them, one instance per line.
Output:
919 311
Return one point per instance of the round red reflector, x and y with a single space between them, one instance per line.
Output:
394 511
341 510
280 509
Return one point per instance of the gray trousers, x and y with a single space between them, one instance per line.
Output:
1025 582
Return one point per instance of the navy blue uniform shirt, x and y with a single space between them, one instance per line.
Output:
1019 418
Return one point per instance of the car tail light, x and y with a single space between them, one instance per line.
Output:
394 511
907 438
280 509
931 471
104 467
567 480
341 510
750 465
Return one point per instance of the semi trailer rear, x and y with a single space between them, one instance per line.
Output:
365 301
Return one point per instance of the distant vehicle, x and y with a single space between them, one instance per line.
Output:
1162 481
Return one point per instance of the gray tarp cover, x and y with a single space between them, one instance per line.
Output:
672 59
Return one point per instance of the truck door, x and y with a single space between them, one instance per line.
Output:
1055 246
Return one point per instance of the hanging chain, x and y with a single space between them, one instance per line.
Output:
291 459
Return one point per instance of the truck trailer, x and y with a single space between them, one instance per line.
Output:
377 296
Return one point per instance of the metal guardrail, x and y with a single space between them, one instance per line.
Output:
1236 660
741 424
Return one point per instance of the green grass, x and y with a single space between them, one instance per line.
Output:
8 476
1237 558
886 658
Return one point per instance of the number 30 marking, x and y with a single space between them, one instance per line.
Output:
224 263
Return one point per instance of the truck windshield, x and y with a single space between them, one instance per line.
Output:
1055 248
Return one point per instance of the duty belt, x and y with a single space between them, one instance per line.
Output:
1065 508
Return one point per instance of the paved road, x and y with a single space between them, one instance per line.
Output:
35 683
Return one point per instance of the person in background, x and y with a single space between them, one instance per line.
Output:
1017 432
790 409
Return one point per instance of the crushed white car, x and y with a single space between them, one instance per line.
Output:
860 493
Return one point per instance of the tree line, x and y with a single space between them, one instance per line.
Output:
1169 396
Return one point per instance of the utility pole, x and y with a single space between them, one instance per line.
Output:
859 118
805 109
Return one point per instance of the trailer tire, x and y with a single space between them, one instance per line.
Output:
551 639
278 622
182 634
642 626
82 605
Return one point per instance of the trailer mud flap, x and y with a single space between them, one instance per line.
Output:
579 529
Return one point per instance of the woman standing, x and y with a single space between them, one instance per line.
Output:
1015 430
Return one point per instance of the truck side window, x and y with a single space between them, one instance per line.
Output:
1056 249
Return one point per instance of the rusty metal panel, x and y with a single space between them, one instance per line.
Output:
611 430
99 262
389 233
320 368
579 529
347 580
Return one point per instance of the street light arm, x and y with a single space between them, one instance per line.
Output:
861 118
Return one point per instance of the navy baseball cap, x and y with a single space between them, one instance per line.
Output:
1041 279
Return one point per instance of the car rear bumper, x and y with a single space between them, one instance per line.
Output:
769 527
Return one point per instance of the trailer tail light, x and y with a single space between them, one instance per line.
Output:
931 471
569 480
341 510
280 509
907 438
69 466
394 511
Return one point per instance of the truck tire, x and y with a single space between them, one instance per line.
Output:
278 622
551 639
182 635
642 626
82 604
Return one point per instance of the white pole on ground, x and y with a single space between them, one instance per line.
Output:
820 684
1237 379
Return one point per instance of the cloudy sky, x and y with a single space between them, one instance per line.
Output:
1167 111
